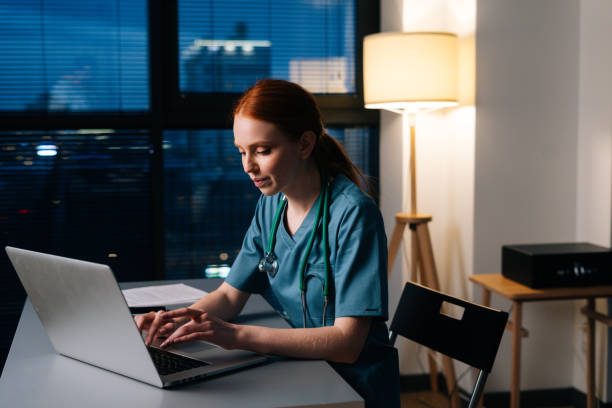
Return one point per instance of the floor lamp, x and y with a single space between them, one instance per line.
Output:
408 73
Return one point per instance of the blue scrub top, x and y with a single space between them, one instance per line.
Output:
358 287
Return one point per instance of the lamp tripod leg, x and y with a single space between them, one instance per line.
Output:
394 245
423 270
429 277
417 275
414 255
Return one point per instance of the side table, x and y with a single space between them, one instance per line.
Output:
518 293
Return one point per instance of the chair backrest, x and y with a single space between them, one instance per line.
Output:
472 338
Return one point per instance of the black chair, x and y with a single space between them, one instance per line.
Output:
471 335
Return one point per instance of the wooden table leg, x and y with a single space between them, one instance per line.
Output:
486 297
590 349
515 390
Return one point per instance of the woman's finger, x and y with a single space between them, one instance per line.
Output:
184 330
186 338
185 312
158 321
166 328
143 320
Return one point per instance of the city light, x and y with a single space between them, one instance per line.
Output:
216 271
46 150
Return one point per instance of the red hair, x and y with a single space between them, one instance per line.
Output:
294 110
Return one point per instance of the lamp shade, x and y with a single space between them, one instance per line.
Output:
410 71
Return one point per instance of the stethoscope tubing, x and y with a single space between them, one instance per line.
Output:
268 263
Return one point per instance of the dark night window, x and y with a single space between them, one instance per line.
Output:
226 45
84 194
74 56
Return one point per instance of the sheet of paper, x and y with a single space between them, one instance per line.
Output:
162 295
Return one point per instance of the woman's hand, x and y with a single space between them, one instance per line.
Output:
156 324
225 301
203 326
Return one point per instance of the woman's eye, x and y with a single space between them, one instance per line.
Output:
263 151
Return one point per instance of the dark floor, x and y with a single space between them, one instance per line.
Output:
430 399
424 399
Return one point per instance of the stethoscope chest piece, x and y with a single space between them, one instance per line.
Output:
268 264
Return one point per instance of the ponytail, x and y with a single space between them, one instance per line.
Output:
331 158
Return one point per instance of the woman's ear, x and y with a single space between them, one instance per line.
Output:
307 143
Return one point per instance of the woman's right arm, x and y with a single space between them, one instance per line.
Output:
225 302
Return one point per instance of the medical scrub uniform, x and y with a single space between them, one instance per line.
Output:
358 286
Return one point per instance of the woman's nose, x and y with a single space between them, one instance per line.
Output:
249 164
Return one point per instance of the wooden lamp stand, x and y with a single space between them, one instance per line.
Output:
422 265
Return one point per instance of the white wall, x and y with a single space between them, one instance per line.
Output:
525 163
391 181
543 161
594 180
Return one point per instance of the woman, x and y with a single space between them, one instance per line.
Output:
316 250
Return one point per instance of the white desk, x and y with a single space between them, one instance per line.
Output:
35 376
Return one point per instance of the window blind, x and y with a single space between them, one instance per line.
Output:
74 56
226 45
84 194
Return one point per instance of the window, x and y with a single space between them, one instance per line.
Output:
82 194
73 56
116 144
79 193
225 46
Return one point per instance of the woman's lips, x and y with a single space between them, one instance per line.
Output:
260 182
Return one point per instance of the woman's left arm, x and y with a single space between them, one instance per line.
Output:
340 343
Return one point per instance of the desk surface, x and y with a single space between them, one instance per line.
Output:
512 290
36 376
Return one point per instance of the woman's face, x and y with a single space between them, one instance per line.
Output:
269 157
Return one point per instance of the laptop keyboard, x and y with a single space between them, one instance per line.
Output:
170 363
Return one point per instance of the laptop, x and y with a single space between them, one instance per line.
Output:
87 318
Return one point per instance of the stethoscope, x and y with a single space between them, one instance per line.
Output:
269 263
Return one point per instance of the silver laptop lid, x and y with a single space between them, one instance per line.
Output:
84 313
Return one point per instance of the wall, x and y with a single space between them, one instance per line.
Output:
594 181
525 162
543 160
